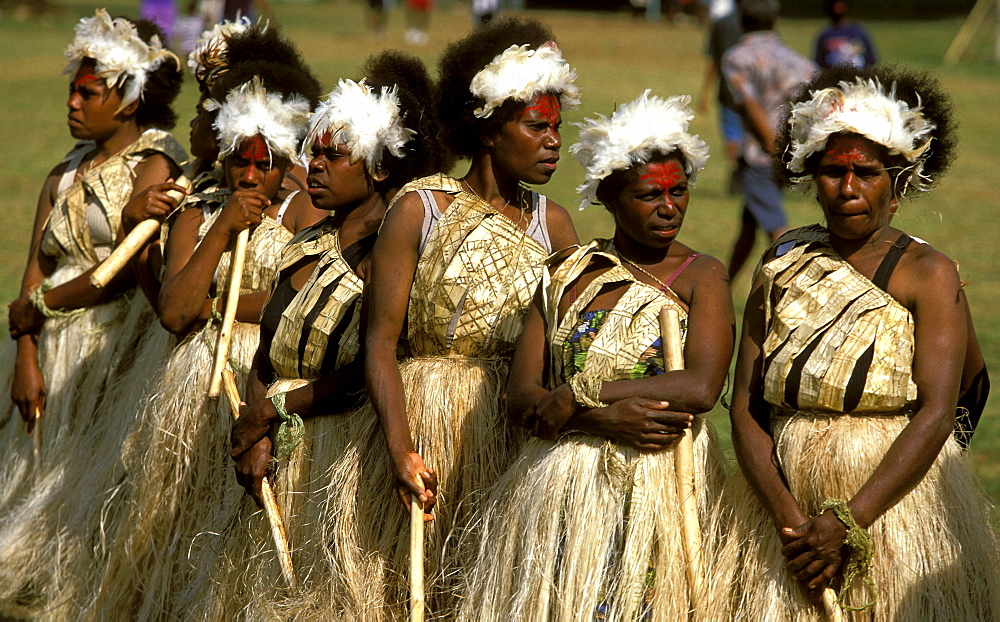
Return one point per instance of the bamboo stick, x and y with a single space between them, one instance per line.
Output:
36 442
830 606
278 533
417 601
229 316
137 237
673 359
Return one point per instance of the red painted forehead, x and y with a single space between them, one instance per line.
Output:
844 150
663 175
85 79
545 106
254 149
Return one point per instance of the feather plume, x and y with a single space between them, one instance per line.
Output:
634 133
864 108
250 110
122 58
368 123
207 60
521 73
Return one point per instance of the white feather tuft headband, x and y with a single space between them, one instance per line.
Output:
859 108
366 122
121 56
635 132
207 60
250 110
521 73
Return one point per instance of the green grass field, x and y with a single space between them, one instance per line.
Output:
616 57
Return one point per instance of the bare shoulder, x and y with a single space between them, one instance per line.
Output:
925 271
156 165
559 223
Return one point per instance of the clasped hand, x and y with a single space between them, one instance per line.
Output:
814 551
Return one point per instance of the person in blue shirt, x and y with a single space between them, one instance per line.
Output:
844 41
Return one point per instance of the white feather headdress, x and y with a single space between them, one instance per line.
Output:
119 52
250 110
207 59
864 108
368 123
634 133
520 73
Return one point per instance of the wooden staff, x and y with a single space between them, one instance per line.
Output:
830 606
36 442
137 237
673 359
417 557
278 533
232 300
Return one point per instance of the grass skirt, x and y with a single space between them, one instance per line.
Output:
95 366
246 581
583 529
180 491
459 428
936 557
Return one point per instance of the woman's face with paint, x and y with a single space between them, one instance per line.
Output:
853 187
650 207
334 182
252 166
527 147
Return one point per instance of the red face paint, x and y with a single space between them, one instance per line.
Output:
850 150
84 79
545 107
255 150
663 175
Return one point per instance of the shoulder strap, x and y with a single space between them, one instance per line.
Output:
284 206
673 277
884 272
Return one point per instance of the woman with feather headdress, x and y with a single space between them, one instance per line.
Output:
586 523
856 342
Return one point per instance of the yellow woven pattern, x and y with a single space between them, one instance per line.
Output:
474 280
342 300
108 185
262 259
818 297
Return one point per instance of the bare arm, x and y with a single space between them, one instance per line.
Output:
560 226
393 262
190 266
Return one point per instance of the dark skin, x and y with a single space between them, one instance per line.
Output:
524 150
855 192
347 191
256 182
649 414
93 115
157 203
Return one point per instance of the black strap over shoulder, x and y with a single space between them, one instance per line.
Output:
884 272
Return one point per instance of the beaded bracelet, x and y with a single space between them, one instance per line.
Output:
291 430
860 559
37 299
586 390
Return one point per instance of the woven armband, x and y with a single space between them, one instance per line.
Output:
291 430
37 298
586 390
859 561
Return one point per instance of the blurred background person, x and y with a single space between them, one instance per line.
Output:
843 41
763 73
724 31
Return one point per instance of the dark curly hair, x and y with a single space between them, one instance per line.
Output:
425 153
461 61
162 85
911 86
262 51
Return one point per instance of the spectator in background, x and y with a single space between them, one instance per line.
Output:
724 31
763 74
844 41
418 21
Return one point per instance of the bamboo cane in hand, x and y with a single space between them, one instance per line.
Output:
229 316
673 359
136 238
36 442
278 533
416 557
830 606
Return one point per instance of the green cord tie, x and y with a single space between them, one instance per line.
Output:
859 562
291 430
37 298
